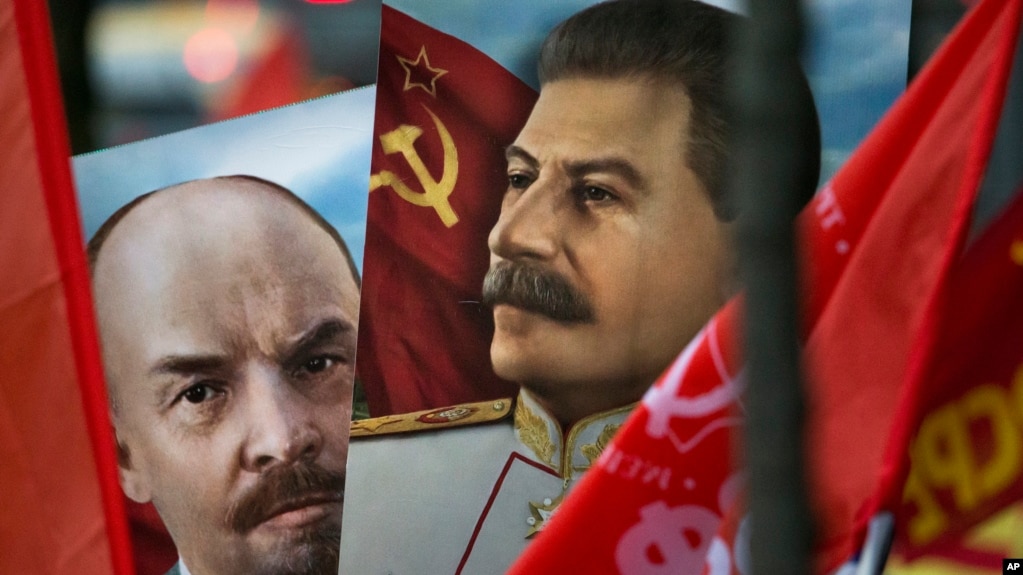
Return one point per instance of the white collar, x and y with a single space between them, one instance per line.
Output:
568 452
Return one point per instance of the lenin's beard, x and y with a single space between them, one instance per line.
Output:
314 550
533 289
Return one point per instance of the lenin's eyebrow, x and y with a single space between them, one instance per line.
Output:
188 364
514 152
327 331
184 365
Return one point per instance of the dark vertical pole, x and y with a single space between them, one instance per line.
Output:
774 142
1004 175
930 22
69 20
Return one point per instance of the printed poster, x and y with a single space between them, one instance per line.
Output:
227 305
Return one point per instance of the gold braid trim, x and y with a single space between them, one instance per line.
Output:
593 450
533 433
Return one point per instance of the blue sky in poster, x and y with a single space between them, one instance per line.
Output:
318 149
856 58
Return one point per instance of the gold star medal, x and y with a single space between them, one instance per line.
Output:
540 513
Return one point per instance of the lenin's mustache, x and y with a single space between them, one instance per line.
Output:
283 488
536 290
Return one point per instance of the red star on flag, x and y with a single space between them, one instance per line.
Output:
419 73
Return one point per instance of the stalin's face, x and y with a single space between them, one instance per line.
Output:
228 321
607 257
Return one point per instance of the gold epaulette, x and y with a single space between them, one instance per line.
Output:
431 419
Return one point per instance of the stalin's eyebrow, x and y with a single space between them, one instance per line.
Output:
610 165
579 169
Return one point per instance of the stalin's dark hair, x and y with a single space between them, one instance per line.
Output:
684 42
95 244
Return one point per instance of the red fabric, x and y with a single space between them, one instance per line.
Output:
423 341
62 507
981 550
154 549
967 449
866 341
879 239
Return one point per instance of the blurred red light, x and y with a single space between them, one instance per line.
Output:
211 55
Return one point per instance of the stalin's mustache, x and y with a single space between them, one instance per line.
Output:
537 290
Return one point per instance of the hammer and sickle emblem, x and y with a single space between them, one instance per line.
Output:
435 192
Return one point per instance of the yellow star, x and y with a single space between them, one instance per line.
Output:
540 514
421 68
1016 252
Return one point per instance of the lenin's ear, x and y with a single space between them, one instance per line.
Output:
133 481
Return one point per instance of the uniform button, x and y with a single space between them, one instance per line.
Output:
498 406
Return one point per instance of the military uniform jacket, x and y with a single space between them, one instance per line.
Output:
460 490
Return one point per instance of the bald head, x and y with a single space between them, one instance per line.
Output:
239 183
208 232
227 315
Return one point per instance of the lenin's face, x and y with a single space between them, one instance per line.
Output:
599 194
228 323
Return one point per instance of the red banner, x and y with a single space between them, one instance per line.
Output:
967 453
444 114
61 500
935 145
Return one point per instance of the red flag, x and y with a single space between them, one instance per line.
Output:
61 500
978 552
967 453
944 129
879 240
968 449
954 511
445 112
151 543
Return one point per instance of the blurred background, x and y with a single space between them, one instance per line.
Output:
134 69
